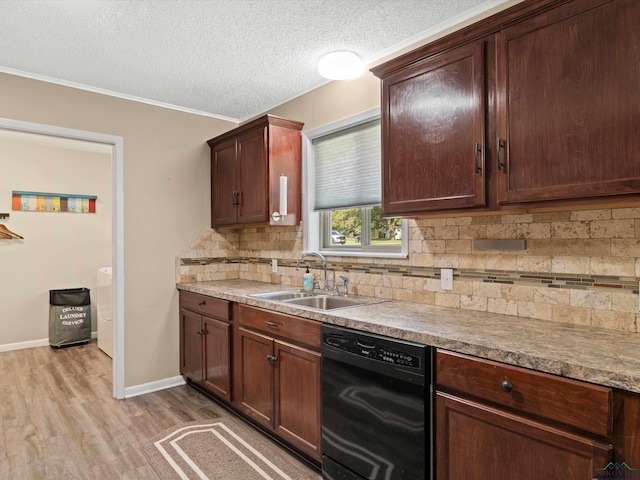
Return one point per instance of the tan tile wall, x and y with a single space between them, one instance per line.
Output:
209 245
599 242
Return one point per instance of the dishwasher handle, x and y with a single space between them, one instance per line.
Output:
365 345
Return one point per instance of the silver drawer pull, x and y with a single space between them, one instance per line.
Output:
272 324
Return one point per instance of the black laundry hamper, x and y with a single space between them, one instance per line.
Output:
69 317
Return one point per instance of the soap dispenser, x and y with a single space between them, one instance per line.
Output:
307 281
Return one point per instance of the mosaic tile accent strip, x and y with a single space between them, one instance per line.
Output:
620 284
207 261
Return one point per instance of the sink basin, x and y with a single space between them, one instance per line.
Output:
285 295
318 299
326 302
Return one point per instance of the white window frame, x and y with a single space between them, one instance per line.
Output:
311 224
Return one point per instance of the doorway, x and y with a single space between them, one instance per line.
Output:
117 227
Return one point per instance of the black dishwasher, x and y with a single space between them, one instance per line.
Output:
376 407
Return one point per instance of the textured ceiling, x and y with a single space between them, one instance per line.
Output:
232 59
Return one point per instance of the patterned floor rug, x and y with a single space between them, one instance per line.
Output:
222 448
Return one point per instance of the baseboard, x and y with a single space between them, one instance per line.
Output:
153 386
43 342
21 345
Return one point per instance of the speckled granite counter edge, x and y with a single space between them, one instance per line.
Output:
589 354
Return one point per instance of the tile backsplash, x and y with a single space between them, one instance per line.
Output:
579 266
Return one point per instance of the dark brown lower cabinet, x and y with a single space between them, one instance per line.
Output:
626 430
500 421
191 345
205 342
277 375
297 389
254 376
217 357
492 420
475 441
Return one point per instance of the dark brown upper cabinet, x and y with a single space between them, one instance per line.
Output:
246 165
433 133
535 106
568 93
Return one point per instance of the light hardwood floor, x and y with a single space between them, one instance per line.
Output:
59 421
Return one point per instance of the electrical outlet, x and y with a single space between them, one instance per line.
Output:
274 265
446 279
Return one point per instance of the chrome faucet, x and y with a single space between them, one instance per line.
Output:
344 285
324 265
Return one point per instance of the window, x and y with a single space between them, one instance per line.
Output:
360 228
343 162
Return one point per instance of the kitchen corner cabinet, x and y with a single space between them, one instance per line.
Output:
495 421
205 342
537 105
246 165
277 375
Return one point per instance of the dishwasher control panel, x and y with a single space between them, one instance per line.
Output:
373 349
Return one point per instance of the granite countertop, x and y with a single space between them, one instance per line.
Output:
589 354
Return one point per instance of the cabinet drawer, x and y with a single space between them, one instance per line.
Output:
579 404
291 328
205 305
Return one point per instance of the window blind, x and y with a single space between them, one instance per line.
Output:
347 167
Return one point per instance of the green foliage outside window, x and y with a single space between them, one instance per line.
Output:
349 222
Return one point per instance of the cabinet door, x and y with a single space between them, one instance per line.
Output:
254 170
433 134
254 376
191 345
217 362
224 183
476 442
569 103
297 399
627 440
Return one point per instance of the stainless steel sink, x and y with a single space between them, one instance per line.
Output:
317 300
284 295
327 302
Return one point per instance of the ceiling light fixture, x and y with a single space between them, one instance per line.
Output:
340 66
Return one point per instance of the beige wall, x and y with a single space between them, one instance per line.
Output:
166 202
333 101
59 250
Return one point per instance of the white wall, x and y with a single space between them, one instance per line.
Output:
59 250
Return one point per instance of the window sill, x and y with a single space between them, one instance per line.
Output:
361 254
